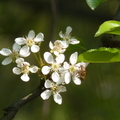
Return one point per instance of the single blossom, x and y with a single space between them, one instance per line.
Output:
30 43
55 89
67 36
58 47
24 68
54 65
72 69
12 55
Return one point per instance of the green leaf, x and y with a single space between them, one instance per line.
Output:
77 47
94 3
101 55
110 27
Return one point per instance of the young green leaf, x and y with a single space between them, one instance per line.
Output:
110 27
101 55
94 3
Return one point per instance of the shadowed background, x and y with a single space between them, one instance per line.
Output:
97 98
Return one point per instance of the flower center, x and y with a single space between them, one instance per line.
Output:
72 69
30 42
14 55
57 47
54 88
55 66
25 68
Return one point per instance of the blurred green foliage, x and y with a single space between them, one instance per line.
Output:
97 98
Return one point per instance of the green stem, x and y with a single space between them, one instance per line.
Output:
40 59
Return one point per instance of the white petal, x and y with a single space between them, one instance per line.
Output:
68 30
61 80
66 65
20 41
46 94
33 69
51 45
83 64
48 57
24 51
39 37
5 52
55 77
61 34
65 44
73 58
62 89
74 41
45 70
60 58
56 53
16 70
31 34
48 84
25 77
57 98
35 48
19 62
76 80
62 70
26 63
67 78
7 61
16 47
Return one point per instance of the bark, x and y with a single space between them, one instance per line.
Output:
12 110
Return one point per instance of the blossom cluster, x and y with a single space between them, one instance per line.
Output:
54 69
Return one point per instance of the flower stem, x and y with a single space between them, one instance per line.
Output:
39 60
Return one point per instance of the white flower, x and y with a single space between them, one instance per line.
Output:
55 89
72 69
24 68
54 65
67 37
12 55
58 47
30 42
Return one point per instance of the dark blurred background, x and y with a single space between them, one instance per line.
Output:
98 97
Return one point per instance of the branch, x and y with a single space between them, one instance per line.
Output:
12 110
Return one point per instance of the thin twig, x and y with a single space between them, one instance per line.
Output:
12 110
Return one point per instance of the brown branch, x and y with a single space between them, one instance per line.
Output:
12 110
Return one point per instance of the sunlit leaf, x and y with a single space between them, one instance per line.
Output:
94 3
111 27
101 55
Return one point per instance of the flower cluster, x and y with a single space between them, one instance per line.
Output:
54 69
21 49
